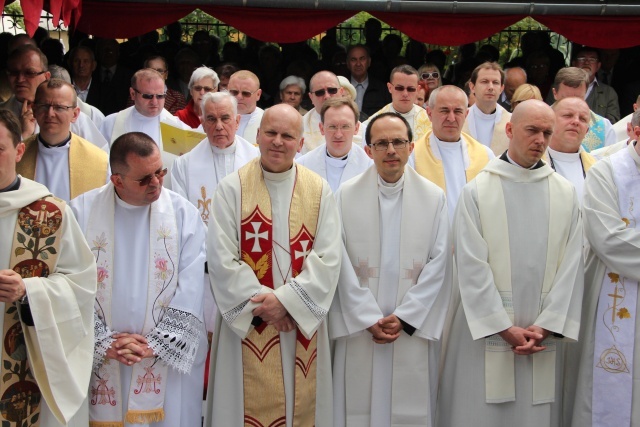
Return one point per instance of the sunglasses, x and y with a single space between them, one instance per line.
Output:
409 89
321 92
433 75
149 96
245 93
143 182
205 88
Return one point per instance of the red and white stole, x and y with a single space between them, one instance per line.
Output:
34 253
264 394
148 378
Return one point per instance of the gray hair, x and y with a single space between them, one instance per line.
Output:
201 73
217 98
448 88
58 72
293 81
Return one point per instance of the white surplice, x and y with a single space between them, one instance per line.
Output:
61 306
234 283
313 138
616 246
336 171
397 262
183 400
249 125
489 129
527 204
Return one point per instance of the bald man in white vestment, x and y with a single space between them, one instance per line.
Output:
338 159
47 289
273 250
150 341
518 247
394 287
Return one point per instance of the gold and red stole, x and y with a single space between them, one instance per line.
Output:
34 253
264 394
88 164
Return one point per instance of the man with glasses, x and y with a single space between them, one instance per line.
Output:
372 94
322 86
446 156
517 236
62 161
601 98
338 160
174 100
403 87
245 86
487 119
148 93
394 287
150 342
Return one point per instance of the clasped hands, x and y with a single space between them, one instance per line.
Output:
525 341
129 348
386 330
273 312
12 287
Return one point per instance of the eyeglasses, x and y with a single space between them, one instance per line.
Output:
44 108
321 92
398 144
245 93
433 75
149 96
26 74
207 89
584 59
160 70
409 89
143 182
343 128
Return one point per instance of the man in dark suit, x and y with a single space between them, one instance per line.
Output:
372 94
601 98
109 89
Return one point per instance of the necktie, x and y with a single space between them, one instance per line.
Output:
107 76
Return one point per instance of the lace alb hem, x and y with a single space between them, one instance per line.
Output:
176 339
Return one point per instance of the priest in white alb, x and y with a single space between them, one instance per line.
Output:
338 159
395 282
150 344
56 157
607 392
274 252
518 247
47 289
245 87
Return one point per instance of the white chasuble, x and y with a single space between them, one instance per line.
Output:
58 344
518 247
196 174
615 246
153 288
398 262
307 297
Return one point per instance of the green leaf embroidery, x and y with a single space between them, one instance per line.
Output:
50 240
21 238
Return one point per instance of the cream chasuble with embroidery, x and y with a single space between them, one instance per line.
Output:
518 241
615 248
398 261
306 296
57 350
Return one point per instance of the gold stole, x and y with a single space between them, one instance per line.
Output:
587 160
432 168
34 253
85 172
264 394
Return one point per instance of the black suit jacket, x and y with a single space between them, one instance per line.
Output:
375 97
110 97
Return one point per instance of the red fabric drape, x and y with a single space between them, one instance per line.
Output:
31 10
447 29
604 32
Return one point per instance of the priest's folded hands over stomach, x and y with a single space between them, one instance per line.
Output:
525 341
273 312
386 330
129 348
12 287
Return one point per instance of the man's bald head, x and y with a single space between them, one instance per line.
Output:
279 137
326 82
529 132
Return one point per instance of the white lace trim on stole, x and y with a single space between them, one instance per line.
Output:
176 339
103 340
319 312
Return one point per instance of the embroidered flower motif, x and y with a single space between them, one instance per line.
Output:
103 274
99 243
164 232
623 313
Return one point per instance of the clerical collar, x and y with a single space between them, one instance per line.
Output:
405 115
278 176
484 115
506 158
13 186
47 145
390 187
564 157
337 158
451 143
226 150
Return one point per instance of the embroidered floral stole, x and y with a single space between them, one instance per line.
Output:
34 253
264 394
